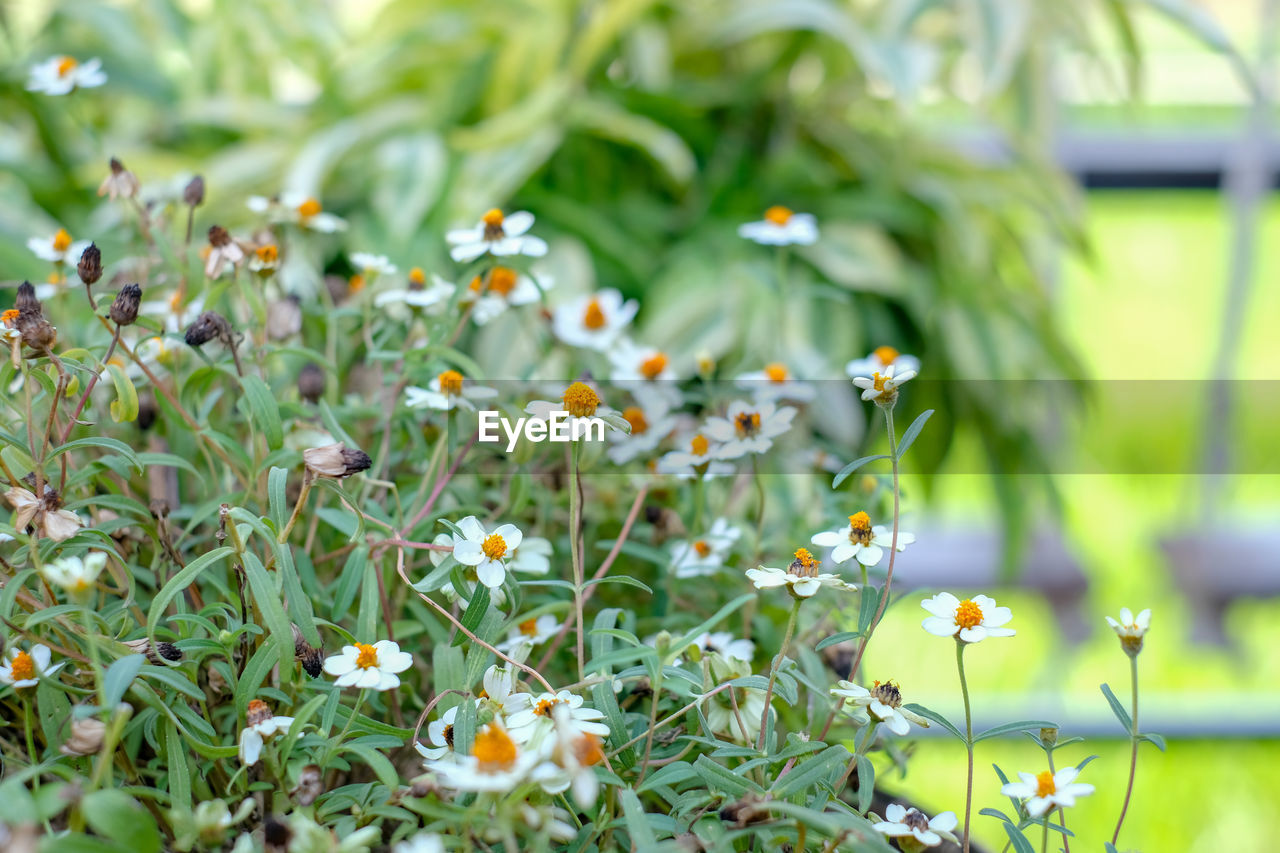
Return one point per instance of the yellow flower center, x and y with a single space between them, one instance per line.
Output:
55 277
703 549
1044 784
494 547
355 284
886 355
22 667
493 218
652 367
699 445
544 706
61 240
499 280
776 372
877 381
66 65
267 254
309 208
747 423
529 627
493 749
587 750
804 564
968 614
417 278
778 214
634 415
593 317
860 528
450 382
580 400
257 712
9 317
368 657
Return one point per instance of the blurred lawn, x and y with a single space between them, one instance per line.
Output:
1148 308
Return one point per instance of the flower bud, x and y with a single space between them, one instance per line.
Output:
90 266
1049 735
311 382
124 310
335 460
193 194
86 737
206 327
311 658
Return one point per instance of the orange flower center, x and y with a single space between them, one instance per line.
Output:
634 415
593 317
493 218
580 400
355 284
860 528
267 254
494 547
747 423
968 614
877 381
66 65
778 214
529 627
493 749
587 750
450 382
699 445
61 240
1044 784
417 277
886 355
22 667
652 367
776 372
499 280
257 712
804 564
703 549
368 657
544 706
309 208
9 317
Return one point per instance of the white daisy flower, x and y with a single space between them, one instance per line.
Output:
859 539
260 724
583 404
573 754
370 264
530 632
529 716
532 556
882 701
1131 631
498 234
417 294
1046 791
23 669
439 736
802 578
776 382
883 387
782 227
501 288
593 321
634 363
496 764
705 555
879 360
59 248
76 575
298 209
700 460
650 423
423 842
900 822
369 666
487 552
61 75
447 392
727 646
972 620
265 260
748 427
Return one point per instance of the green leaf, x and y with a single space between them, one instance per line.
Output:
181 581
379 763
867 607
1116 708
1154 739
909 437
854 466
718 778
124 408
176 762
625 580
101 441
935 717
119 676
277 479
267 597
866 783
116 815
475 614
1018 726
1017 839
835 639
823 768
642 837
263 409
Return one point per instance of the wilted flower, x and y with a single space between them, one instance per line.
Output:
883 701
335 460
260 724
859 539
61 75
224 252
748 427
284 318
34 330
971 620
901 822
119 183
879 360
46 515
86 736
89 268
193 192
311 658
593 321
498 234
157 653
802 578
371 667
1046 791
208 326
782 227
124 309
1131 631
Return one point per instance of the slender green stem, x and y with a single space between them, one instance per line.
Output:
1133 753
334 744
773 670
968 740
1062 813
29 727
1044 839
575 553
656 689
297 507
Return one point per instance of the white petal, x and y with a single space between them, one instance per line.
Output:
940 626
490 573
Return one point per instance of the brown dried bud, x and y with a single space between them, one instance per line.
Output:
311 658
124 310
335 460
157 653
193 194
276 834
423 786
219 236
206 327
284 318
90 266
31 324
311 382
310 785
121 183
744 812
86 737
26 299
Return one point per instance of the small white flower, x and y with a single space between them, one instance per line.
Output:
651 423
727 646
882 701
496 764
700 460
900 822
487 552
883 387
369 666
447 392
529 716
1131 631
634 363
706 554
1046 791
58 248
259 725
802 578
298 209
782 227
776 382
859 539
75 574
370 264
530 632
748 427
972 620
593 321
501 288
583 404
265 260
738 715
439 736
60 75
498 234
23 669
879 360
417 294
573 752
423 842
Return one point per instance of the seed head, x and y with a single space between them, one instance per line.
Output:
206 327
124 310
90 266
219 236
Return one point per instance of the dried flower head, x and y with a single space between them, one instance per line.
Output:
335 460
310 785
193 193
121 183
86 737
30 322
124 310
157 653
207 327
90 266
311 658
